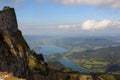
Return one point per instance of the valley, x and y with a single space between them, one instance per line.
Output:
97 54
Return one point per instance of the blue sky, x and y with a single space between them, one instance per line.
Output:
66 16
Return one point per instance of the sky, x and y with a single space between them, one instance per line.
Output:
66 17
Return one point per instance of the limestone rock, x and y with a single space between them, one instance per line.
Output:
13 48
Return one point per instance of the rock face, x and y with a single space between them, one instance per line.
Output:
8 21
13 48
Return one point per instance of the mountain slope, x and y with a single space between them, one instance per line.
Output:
13 48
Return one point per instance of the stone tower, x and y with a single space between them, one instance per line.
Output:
8 21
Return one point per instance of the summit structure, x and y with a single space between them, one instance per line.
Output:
8 21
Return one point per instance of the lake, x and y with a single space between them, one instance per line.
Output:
73 65
50 49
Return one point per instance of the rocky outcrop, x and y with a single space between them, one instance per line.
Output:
63 76
15 54
105 76
8 76
8 21
13 48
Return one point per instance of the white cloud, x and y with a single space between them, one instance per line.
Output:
116 23
107 3
93 25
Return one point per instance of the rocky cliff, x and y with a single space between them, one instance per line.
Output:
13 48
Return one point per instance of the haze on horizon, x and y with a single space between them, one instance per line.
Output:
67 17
